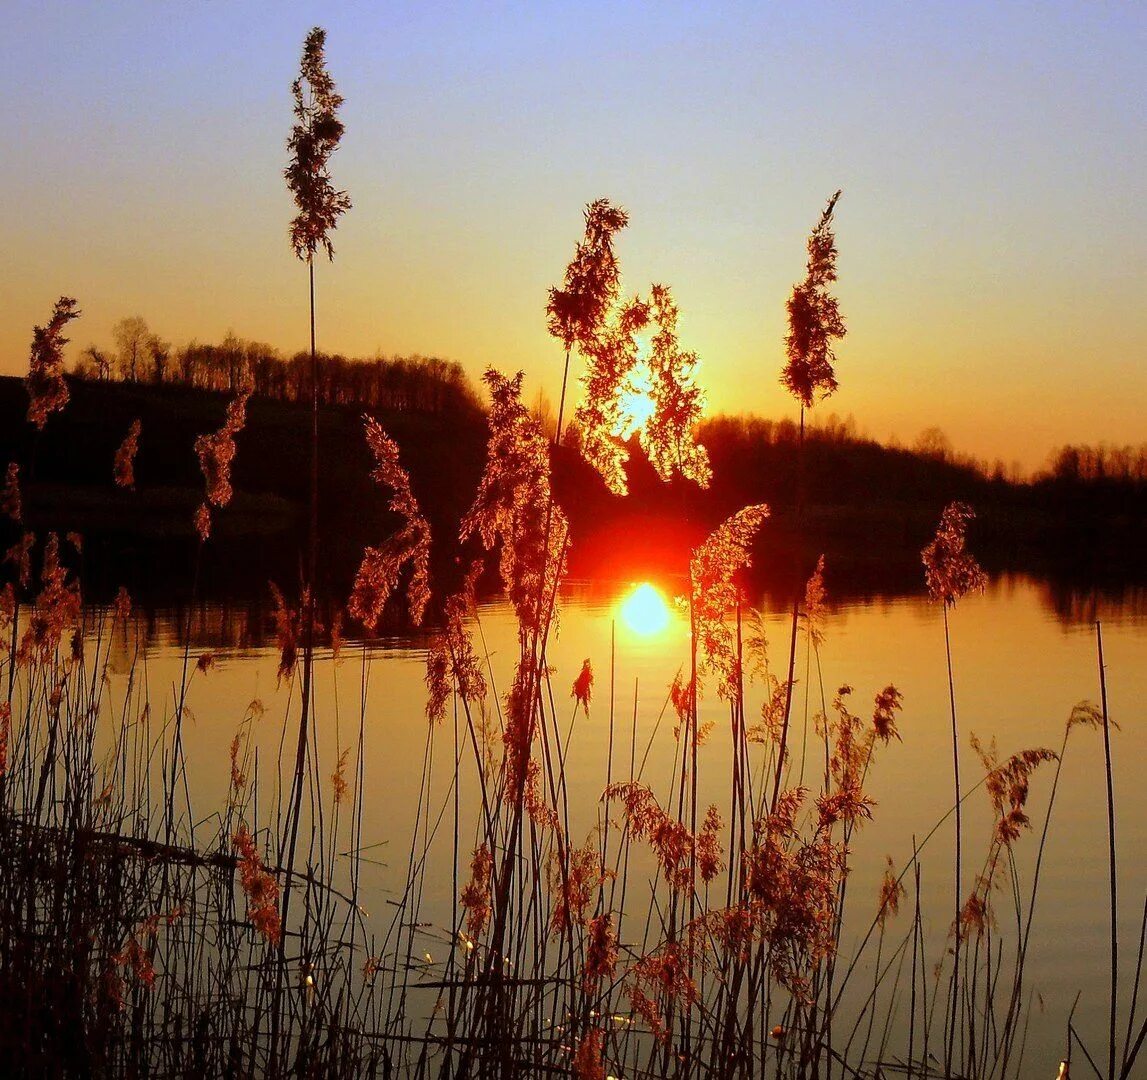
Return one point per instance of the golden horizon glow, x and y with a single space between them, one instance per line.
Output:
644 610
458 209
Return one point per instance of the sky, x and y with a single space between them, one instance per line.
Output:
992 230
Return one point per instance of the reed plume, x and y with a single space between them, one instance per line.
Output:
56 609
950 570
123 470
313 140
11 504
287 633
678 402
712 570
5 735
216 453
381 567
45 383
577 312
451 660
612 356
260 887
583 686
814 320
514 505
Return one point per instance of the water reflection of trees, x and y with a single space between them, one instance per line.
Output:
246 625
1073 603
243 626
233 626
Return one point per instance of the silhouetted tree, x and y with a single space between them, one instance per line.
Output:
132 337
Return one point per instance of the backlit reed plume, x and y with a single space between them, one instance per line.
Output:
662 982
286 633
314 138
678 850
5 735
579 314
124 468
576 313
583 686
121 605
381 567
588 1063
950 570
889 702
611 359
892 891
574 878
260 887
514 505
19 555
55 610
1008 786
238 776
451 661
338 777
852 746
216 452
476 893
11 504
814 320
667 434
814 607
47 388
714 591
601 950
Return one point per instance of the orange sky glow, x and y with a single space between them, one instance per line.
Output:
991 228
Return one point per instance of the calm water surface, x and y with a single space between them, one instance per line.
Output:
1023 655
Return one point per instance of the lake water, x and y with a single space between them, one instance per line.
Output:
1024 654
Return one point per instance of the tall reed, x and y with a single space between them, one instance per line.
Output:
951 573
314 138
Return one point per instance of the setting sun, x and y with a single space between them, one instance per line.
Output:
637 406
635 402
644 610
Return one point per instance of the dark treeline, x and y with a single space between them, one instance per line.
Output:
869 507
1102 466
144 538
399 384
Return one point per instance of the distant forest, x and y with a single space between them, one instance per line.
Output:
417 383
433 385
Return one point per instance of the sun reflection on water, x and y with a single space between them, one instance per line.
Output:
644 610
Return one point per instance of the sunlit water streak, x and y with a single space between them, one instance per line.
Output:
1019 668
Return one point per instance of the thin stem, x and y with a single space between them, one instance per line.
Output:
1110 856
956 925
793 628
295 811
